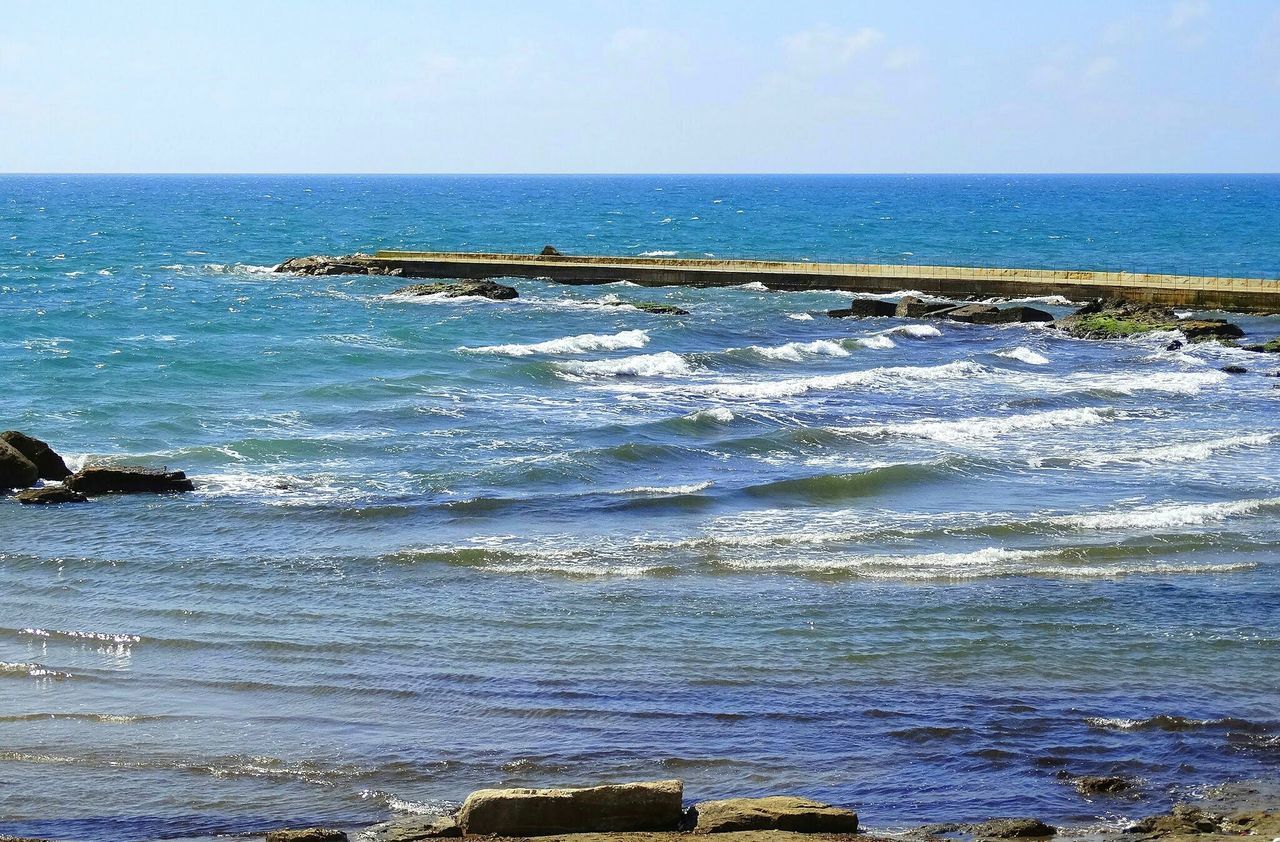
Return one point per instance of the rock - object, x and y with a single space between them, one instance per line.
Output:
779 812
863 308
49 495
913 307
307 834
650 307
1183 819
1093 785
619 808
1111 319
16 470
349 264
462 289
46 460
1269 347
95 481
1023 828
413 829
550 251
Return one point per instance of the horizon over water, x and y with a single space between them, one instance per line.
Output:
923 569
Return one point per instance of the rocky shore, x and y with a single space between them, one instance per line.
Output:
655 811
41 476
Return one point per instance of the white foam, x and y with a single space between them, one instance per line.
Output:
1170 454
692 488
1181 383
662 364
914 331
797 351
1024 354
801 317
754 286
718 414
657 254
1167 516
879 343
875 377
981 429
580 344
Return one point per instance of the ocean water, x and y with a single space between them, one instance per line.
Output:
921 569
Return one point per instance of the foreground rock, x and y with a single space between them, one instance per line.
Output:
913 307
650 307
1012 829
350 264
1269 347
780 812
39 453
95 481
462 289
631 807
16 470
1093 785
1183 819
865 308
1112 319
307 834
413 829
49 496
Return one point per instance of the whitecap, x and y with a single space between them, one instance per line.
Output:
880 342
718 414
982 429
1168 516
801 317
662 364
754 286
875 377
657 254
1168 454
797 351
1024 354
691 488
580 344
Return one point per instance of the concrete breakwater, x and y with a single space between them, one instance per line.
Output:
1205 293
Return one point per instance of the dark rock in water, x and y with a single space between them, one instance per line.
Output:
620 808
413 829
48 462
863 308
1175 345
460 289
1013 829
307 834
1184 819
350 264
1023 315
986 314
911 307
550 251
650 307
95 481
780 812
1234 369
1270 347
50 495
1110 319
1088 785
16 470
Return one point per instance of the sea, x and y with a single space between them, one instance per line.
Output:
931 571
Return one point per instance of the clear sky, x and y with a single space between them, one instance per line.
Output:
612 86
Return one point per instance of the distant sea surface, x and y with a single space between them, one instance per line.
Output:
928 570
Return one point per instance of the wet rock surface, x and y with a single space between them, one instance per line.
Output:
1112 319
780 812
647 806
39 453
307 834
650 307
413 829
130 480
49 496
462 289
350 264
16 470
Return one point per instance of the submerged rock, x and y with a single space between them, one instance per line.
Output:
16 470
779 812
1234 369
911 307
619 808
413 829
130 480
1111 319
1025 828
1091 785
650 307
307 834
863 308
50 495
46 460
987 314
462 289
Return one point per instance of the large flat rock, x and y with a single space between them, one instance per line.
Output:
649 806
778 812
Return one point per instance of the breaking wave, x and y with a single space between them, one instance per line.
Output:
662 364
581 344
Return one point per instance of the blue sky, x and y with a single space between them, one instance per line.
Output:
580 86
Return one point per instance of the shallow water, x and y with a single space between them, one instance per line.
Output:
436 545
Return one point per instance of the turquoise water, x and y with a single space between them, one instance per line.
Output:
437 545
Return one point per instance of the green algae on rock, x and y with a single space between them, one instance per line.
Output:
1114 319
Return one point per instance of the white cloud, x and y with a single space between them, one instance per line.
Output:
1186 12
829 49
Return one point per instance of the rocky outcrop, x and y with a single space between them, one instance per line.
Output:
1012 829
911 307
307 834
1094 785
1183 819
779 812
1270 347
350 264
1112 319
46 460
95 481
50 495
461 289
16 470
650 307
987 314
652 806
413 829
550 251
862 308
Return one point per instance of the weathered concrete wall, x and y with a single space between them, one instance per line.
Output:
1236 294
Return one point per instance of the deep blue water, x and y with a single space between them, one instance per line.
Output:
437 545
